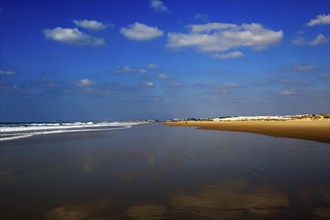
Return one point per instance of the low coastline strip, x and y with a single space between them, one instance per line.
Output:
315 130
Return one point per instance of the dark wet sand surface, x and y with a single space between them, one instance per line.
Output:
161 172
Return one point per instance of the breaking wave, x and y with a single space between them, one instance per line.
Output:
11 131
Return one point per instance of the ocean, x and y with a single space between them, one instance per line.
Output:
11 131
143 170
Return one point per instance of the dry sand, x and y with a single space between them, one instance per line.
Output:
316 130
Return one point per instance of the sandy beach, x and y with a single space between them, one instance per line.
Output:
316 130
154 171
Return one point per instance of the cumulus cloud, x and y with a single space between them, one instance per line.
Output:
98 91
290 92
158 5
91 24
226 86
303 68
140 32
162 76
231 55
7 73
320 39
301 41
127 69
85 82
210 27
149 85
319 20
215 37
153 66
72 36
293 82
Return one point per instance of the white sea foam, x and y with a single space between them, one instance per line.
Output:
19 136
56 126
17 131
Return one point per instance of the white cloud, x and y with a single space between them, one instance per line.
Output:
149 84
91 24
290 92
72 36
158 5
227 86
7 73
153 66
303 68
213 37
127 69
85 82
209 27
231 55
301 41
162 76
320 39
319 20
98 91
140 32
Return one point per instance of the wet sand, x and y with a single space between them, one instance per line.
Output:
163 172
315 130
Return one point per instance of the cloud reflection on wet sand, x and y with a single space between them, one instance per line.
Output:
86 210
147 211
194 175
325 197
230 200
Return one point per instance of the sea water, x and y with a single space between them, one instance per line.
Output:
10 131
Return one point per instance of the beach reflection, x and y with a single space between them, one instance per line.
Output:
147 165
87 162
7 178
231 200
228 200
147 211
87 210
141 173
306 196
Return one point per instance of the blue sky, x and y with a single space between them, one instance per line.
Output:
108 60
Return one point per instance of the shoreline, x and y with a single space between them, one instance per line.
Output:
314 130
